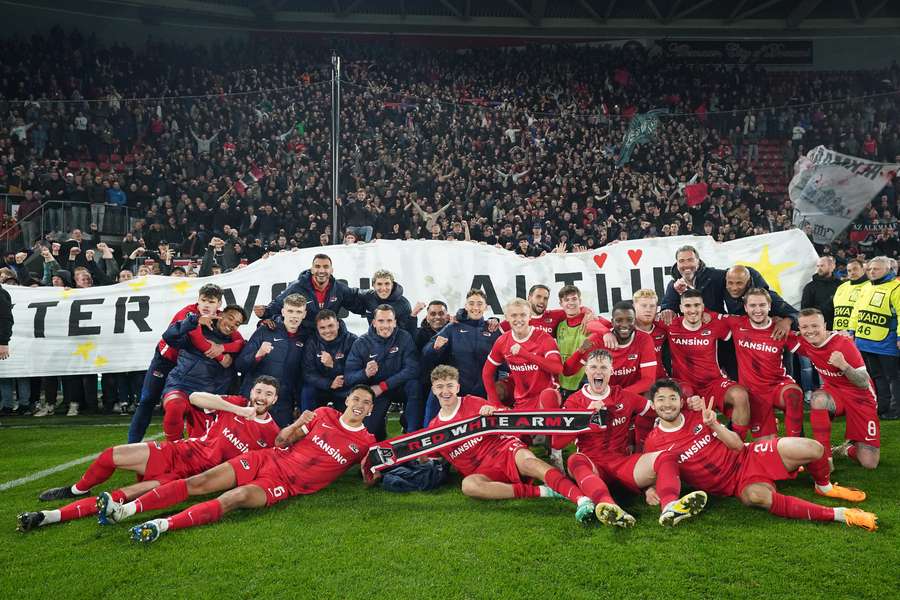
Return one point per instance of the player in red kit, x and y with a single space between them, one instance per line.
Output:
534 364
602 454
241 425
493 466
646 303
541 318
694 345
761 368
714 458
846 390
632 351
310 454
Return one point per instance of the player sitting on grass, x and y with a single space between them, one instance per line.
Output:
240 426
602 453
310 454
493 466
714 458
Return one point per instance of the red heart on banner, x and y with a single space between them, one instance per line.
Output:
600 260
635 256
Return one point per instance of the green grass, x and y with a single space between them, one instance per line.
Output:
352 542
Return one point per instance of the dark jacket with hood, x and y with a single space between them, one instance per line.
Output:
396 300
282 363
467 348
318 375
338 295
395 355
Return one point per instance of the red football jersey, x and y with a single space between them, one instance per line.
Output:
546 321
328 449
659 335
528 379
759 357
621 406
627 359
705 462
832 378
468 455
228 436
694 357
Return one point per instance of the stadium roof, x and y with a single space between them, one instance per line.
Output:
520 18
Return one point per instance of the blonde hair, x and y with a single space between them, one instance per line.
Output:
521 302
444 372
645 293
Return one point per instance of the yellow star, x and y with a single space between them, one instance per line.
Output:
138 283
66 292
182 287
770 271
100 361
85 349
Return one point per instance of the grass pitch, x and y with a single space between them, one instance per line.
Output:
350 542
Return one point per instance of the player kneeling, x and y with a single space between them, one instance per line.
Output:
493 466
240 425
310 454
714 458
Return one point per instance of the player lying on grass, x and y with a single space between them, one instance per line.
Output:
310 454
494 466
241 425
846 389
714 458
602 453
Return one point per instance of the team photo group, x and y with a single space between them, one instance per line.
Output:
717 387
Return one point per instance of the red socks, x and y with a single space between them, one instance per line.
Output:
559 483
851 452
821 428
793 412
175 405
166 495
524 490
85 507
199 514
99 471
668 481
582 470
790 507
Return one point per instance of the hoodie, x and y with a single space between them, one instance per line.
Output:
467 348
395 355
318 375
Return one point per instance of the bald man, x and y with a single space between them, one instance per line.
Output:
691 272
738 280
819 292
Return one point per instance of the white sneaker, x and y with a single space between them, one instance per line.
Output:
73 409
43 410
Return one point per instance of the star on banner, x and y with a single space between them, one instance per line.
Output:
182 287
138 283
84 350
66 292
100 361
770 271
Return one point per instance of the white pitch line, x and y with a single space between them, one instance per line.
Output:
72 463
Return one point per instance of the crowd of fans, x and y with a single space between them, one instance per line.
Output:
189 161
508 147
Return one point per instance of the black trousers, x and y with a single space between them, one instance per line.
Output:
884 370
81 389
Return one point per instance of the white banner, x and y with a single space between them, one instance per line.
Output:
830 189
114 328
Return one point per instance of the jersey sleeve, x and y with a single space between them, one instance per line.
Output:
647 353
319 415
495 357
236 400
548 346
721 328
851 353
